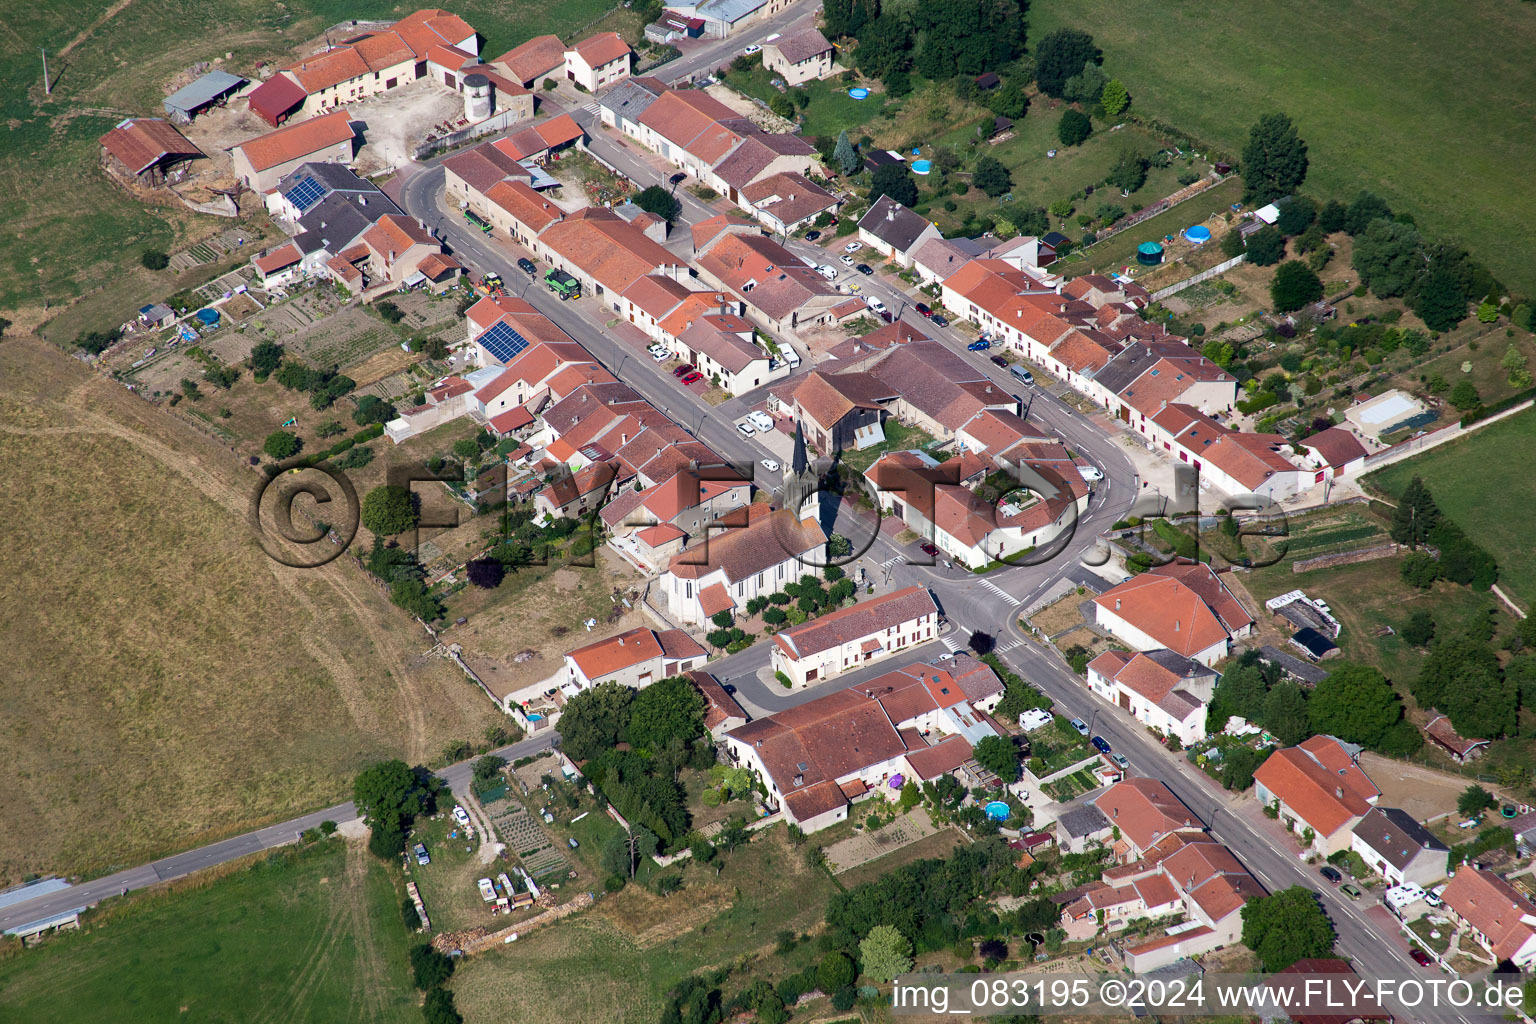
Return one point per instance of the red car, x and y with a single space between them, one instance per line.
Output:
928 549
1420 957
693 378
686 368
923 310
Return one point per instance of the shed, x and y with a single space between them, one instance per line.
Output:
1314 643
989 80
156 315
276 98
211 90
1268 213
1055 239
881 157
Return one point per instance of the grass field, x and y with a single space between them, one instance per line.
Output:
68 230
167 683
1426 103
313 935
616 962
1484 483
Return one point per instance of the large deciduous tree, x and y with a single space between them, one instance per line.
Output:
998 755
991 177
388 510
1274 160
1388 257
594 720
1285 927
664 710
885 953
1074 128
1061 55
1294 286
1355 703
893 180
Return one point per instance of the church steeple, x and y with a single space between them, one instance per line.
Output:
799 463
799 478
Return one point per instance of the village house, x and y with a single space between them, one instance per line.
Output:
780 292
849 638
1496 915
621 106
727 567
787 201
1398 848
917 723
1182 607
540 58
635 658
799 57
1164 691
599 61
1334 453
894 231
723 347
147 150
722 712
1319 789
262 161
840 411
543 142
1143 811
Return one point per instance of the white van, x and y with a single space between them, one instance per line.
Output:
761 420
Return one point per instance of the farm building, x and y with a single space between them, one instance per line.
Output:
209 91
147 150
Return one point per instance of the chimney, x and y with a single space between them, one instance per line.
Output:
1117 604
890 212
1176 625
1338 792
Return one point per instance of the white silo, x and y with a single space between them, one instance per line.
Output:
478 102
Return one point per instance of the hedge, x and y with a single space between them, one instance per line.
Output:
1262 400
363 436
1484 411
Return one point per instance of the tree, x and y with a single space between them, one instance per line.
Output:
1266 247
896 81
154 259
389 510
1366 208
1419 630
1241 692
626 851
1474 800
438 1008
389 311
1439 300
389 795
991 177
1129 172
671 708
659 201
486 573
280 444
1415 515
371 409
429 968
1114 98
835 971
1285 713
981 643
1086 86
1464 396
1285 927
189 389
1060 55
1355 703
885 953
843 154
839 546
265 358
487 769
1274 160
1294 286
893 180
1388 256
1462 678
594 720
1296 215
883 46
1419 569
999 756
1238 766
1074 128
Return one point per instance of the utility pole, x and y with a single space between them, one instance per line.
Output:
47 88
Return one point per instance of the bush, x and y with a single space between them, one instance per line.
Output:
389 311
429 968
1074 128
280 444
154 259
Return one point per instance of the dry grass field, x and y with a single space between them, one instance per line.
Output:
166 682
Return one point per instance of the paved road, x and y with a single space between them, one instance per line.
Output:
164 870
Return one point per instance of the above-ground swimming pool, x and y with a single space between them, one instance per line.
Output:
921 166
859 93
998 811
1198 233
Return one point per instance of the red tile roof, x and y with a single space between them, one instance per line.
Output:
285 255
541 55
1250 459
141 142
1320 782
1167 611
430 26
1203 580
714 599
866 618
607 248
719 705
1145 810
275 97
524 205
1337 446
1492 906
603 48
296 141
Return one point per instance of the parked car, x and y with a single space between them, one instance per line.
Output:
658 353
865 269
683 370
1331 873
526 266
761 420
745 429
753 48
853 247
1421 958
876 305
1023 375
573 843
1433 899
979 345
1120 761
421 855
811 236
999 361
460 815
923 309
770 465
692 378
846 260
678 178
936 318
1080 725
1349 890
928 549
1100 744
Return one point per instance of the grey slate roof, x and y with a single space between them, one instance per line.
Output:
1083 820
202 92
1293 666
630 97
1393 833
340 218
893 223
1129 364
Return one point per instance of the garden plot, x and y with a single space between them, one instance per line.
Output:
524 836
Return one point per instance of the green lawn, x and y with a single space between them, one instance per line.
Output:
830 110
68 230
1428 104
313 936
1120 249
1484 483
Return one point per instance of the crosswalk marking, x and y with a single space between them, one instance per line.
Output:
891 561
590 108
1010 645
950 642
1000 592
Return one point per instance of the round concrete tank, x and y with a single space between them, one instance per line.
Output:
478 101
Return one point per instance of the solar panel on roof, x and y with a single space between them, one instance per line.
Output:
305 194
502 342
